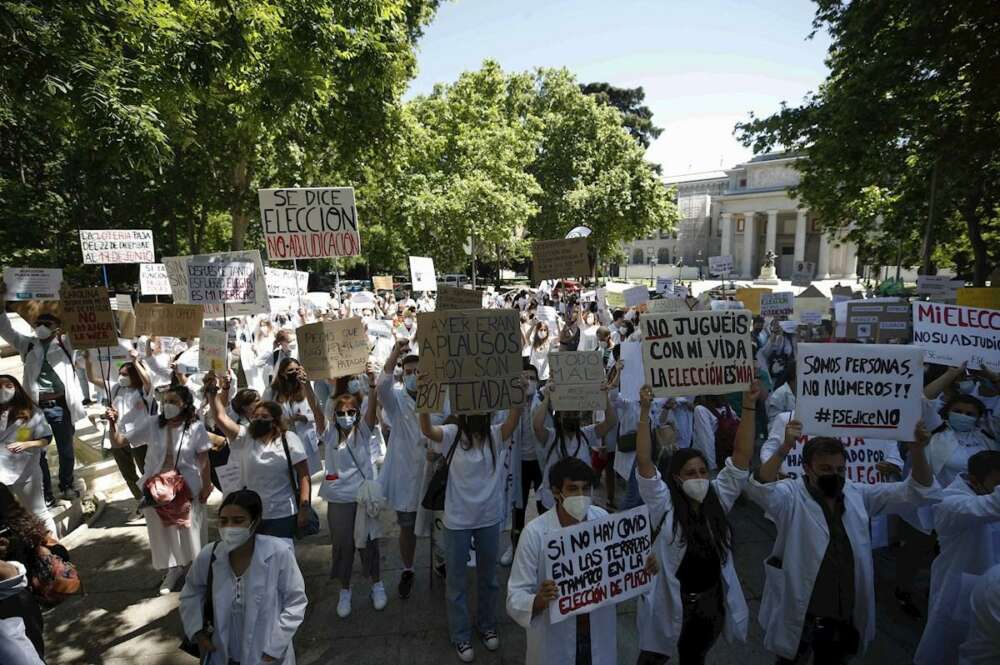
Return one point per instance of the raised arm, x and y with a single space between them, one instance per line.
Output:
92 376
217 407
643 444
743 445
7 332
510 424
768 471
937 386
431 431
540 413
610 421
313 402
920 469
371 413
143 371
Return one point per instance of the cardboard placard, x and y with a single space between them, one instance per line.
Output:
87 317
559 259
422 276
32 283
939 287
664 285
104 246
168 320
153 280
285 283
720 266
985 298
212 350
548 315
802 273
220 281
476 353
952 334
598 563
781 303
812 301
331 349
662 305
121 305
866 390
863 457
177 271
635 296
450 297
879 321
309 222
751 298
382 282
697 353
577 377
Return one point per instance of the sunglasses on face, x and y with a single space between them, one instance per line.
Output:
351 412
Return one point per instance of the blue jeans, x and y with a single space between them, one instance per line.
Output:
279 527
63 431
456 545
632 498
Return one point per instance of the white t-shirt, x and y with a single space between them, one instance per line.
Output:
132 409
265 470
579 447
343 478
190 440
475 497
17 467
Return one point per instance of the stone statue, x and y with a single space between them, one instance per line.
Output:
768 275
769 258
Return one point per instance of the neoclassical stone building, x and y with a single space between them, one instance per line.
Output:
744 212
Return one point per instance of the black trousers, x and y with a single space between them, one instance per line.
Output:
704 617
828 641
531 476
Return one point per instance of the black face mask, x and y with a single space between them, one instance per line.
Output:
830 484
260 427
571 424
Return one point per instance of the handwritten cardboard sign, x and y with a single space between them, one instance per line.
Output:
558 259
285 283
952 334
117 246
697 353
309 222
168 320
450 297
939 287
32 283
577 377
664 285
635 296
382 282
720 266
87 317
212 350
177 271
662 305
598 563
477 354
985 298
750 297
153 280
220 281
781 303
866 390
331 349
880 322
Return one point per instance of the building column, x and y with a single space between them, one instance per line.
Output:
772 232
823 269
749 240
727 233
800 235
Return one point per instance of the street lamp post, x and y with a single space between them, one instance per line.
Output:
652 265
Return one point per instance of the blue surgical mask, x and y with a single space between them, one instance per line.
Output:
345 422
961 422
410 382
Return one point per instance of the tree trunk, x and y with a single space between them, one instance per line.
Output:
241 183
970 211
927 246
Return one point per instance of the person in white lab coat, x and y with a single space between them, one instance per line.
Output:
982 647
819 589
24 433
257 592
590 637
783 399
696 596
967 522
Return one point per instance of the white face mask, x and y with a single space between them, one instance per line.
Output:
696 488
124 381
234 536
43 332
6 395
410 382
171 410
577 506
543 334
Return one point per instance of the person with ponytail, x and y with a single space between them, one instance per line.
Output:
696 595
24 433
349 465
254 587
293 392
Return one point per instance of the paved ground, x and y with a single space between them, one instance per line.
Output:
121 619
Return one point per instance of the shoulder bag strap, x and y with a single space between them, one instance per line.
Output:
291 472
353 458
208 614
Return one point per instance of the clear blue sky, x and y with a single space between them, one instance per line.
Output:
704 64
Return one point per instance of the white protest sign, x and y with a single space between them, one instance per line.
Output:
632 374
285 283
866 390
863 456
212 350
668 304
217 281
362 300
952 334
422 273
635 296
153 280
802 273
177 271
547 314
697 353
117 246
720 265
598 563
939 287
230 475
781 303
309 222
32 283
811 318
577 377
318 299
664 285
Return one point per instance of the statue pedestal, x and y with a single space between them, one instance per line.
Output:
767 276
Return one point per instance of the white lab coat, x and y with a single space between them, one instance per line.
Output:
801 543
275 601
548 643
660 610
59 357
983 644
406 457
967 528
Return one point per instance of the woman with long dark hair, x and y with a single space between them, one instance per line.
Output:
292 390
24 433
696 596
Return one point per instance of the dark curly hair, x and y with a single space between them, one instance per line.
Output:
23 532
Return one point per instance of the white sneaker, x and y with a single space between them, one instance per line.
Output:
344 604
507 558
465 652
170 580
379 599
